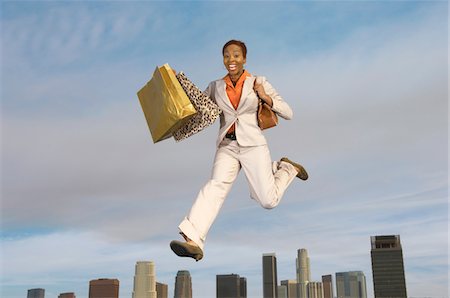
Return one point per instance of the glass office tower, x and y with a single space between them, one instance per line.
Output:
270 281
183 285
387 267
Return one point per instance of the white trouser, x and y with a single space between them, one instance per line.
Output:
267 182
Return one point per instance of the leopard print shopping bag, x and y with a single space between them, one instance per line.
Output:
207 110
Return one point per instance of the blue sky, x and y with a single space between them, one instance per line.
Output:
86 194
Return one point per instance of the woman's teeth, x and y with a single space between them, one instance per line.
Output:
232 67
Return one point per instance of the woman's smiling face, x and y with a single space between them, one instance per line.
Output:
234 60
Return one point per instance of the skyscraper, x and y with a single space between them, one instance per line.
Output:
387 267
270 281
303 272
144 280
162 290
351 284
67 295
315 289
243 282
183 285
327 282
291 286
36 293
231 286
104 288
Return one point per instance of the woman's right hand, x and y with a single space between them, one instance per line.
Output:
259 90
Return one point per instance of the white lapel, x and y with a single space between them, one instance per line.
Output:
246 89
222 93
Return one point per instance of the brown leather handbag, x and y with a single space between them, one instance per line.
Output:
266 117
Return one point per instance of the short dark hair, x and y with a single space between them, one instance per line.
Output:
238 43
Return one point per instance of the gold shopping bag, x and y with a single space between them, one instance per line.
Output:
165 104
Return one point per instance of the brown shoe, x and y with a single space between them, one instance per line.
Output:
184 249
302 174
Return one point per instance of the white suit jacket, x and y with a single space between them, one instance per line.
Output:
248 132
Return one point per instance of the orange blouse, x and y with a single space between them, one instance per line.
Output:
234 92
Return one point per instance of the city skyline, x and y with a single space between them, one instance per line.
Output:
85 192
350 284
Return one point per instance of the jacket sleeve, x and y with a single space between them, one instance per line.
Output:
279 105
209 91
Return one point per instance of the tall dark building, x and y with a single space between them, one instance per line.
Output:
183 285
270 281
327 281
67 295
36 293
387 267
243 281
162 290
104 288
231 286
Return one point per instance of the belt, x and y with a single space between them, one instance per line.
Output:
231 136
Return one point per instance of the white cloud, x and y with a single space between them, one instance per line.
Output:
67 261
58 35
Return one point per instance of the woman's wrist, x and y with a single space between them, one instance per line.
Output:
267 99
